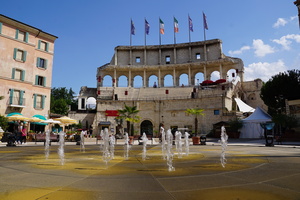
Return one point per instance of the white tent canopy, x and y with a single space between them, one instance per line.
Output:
251 125
243 107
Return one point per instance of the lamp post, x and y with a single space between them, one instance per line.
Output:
297 3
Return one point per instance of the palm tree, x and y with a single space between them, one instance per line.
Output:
129 114
195 112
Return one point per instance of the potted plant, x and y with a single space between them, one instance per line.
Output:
195 112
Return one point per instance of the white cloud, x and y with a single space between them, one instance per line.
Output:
280 22
262 49
285 41
240 51
263 70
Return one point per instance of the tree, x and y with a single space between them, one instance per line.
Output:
195 112
281 87
3 122
61 100
130 115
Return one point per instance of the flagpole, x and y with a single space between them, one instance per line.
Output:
189 28
159 34
130 31
145 32
174 30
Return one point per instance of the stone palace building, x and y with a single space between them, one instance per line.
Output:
163 81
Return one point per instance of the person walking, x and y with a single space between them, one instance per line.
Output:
24 134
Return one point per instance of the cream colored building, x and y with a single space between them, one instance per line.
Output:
26 60
165 80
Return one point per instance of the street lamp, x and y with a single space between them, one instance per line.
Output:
297 3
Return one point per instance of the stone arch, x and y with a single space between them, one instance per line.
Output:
122 81
215 75
138 81
184 79
168 80
199 78
252 96
107 81
152 81
146 127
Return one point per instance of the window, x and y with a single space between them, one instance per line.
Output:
198 56
18 74
21 35
43 45
137 59
20 55
16 97
39 101
40 80
42 63
216 112
168 59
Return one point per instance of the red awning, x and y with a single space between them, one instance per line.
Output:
220 81
207 82
112 113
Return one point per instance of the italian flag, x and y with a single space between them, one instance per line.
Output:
176 29
161 27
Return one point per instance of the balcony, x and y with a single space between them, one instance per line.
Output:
16 102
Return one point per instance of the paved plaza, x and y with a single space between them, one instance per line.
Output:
253 171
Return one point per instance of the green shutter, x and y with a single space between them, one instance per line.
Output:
34 100
0 28
15 53
45 64
13 73
47 46
23 75
17 33
39 44
43 101
11 95
38 62
26 37
21 97
36 79
44 81
24 55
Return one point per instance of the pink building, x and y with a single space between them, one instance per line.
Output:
26 60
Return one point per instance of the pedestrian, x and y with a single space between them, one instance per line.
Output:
24 134
19 133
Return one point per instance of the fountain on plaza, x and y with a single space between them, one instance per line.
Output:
112 142
178 143
106 154
126 146
169 152
145 140
82 147
47 144
163 142
186 143
223 141
61 150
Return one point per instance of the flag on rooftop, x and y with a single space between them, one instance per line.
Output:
205 22
191 24
132 29
161 27
147 27
176 28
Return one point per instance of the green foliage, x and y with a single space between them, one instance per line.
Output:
235 125
130 115
195 112
3 122
280 87
285 121
61 100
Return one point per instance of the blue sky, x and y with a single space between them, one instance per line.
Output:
263 33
